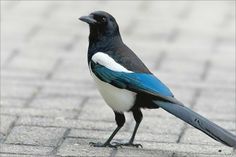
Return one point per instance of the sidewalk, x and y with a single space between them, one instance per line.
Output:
51 107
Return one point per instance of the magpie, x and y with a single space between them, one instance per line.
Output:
127 85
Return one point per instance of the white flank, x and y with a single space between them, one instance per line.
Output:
120 100
108 62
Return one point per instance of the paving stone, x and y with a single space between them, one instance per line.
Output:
41 136
103 111
24 150
6 122
179 68
194 136
57 103
38 112
220 102
35 64
12 91
21 74
221 74
122 135
68 123
71 70
50 92
17 155
142 152
161 125
80 147
190 148
5 125
9 102
199 155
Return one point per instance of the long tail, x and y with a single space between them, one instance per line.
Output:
199 122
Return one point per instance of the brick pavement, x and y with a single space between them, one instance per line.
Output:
48 99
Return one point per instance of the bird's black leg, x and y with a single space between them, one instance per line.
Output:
120 120
138 116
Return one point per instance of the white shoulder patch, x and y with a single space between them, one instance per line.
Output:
108 62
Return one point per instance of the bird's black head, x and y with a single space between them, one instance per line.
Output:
102 25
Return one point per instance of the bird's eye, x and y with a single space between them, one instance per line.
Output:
104 19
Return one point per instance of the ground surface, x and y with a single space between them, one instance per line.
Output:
51 107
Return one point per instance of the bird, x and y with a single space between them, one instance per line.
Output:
127 85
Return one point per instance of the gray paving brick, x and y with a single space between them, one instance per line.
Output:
5 125
58 91
57 103
6 122
161 125
35 64
21 74
38 112
217 104
71 72
17 155
179 68
9 102
16 91
23 149
221 74
80 147
68 123
103 111
100 135
142 152
200 155
189 148
193 136
31 135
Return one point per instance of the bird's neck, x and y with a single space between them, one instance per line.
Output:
103 44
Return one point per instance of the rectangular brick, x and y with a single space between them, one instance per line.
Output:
11 102
80 147
6 123
80 91
189 148
11 90
38 112
41 65
22 149
31 135
130 152
161 125
194 136
122 135
57 103
103 111
68 123
18 74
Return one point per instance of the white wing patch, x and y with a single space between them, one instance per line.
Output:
108 62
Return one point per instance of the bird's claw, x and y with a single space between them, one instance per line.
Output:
129 144
99 144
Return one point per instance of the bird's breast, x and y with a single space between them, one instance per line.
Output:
120 100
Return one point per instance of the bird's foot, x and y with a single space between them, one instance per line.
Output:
99 144
128 144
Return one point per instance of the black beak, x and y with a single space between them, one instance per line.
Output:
88 19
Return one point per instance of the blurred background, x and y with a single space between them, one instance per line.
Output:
50 105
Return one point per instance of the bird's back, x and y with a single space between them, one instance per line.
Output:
126 57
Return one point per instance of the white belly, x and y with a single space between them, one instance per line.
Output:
120 100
